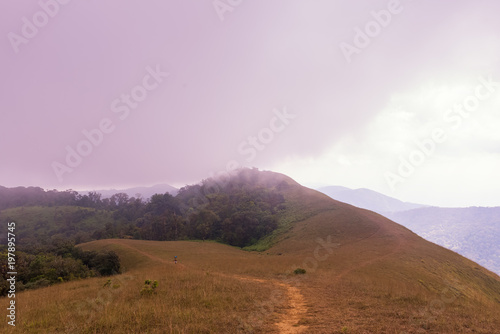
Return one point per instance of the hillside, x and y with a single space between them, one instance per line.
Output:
473 232
380 270
368 199
39 223
364 274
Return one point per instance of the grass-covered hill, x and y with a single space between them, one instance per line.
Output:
363 272
377 269
473 232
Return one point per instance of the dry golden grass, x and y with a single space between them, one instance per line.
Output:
377 277
384 279
211 290
192 296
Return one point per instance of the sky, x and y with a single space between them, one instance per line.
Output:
401 97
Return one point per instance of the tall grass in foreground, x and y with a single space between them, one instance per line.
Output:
185 301
207 292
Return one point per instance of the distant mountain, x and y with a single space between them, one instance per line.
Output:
368 199
145 192
472 232
32 196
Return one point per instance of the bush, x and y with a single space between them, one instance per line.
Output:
299 271
149 287
105 263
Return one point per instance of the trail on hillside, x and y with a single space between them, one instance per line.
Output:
288 322
296 309
151 256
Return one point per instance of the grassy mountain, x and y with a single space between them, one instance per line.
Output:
473 232
363 274
368 199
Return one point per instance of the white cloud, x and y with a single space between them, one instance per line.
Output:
452 175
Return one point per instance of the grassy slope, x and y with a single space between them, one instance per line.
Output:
382 278
379 278
194 296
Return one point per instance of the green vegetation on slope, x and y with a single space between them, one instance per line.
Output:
38 224
242 210
53 263
364 273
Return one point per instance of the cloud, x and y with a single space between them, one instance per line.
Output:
353 119
465 160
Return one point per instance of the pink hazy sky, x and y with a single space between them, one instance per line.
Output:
233 66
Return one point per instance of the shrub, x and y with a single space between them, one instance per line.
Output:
106 263
149 287
299 271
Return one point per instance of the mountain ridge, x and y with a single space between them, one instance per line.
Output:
368 199
143 191
362 272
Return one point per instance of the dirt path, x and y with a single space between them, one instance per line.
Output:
124 244
289 322
295 303
152 257
296 309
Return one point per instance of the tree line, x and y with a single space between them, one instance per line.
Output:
238 211
39 266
